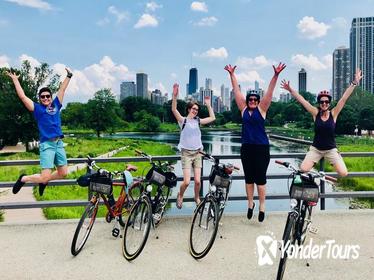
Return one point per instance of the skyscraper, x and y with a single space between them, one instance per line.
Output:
302 80
257 85
340 71
208 83
193 81
142 85
127 89
362 51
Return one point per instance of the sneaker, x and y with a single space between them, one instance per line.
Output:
250 211
261 216
18 184
179 201
42 188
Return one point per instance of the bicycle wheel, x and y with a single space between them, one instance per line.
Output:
84 227
137 229
160 202
203 228
288 236
306 219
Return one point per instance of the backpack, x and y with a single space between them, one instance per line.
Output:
185 121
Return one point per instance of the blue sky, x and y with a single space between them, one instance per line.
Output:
106 42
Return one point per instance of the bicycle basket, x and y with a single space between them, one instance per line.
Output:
307 190
101 184
156 176
218 177
171 179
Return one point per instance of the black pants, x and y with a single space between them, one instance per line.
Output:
255 161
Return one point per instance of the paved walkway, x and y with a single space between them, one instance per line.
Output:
42 251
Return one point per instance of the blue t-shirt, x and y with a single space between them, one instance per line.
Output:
48 120
253 128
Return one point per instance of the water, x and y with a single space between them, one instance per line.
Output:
227 142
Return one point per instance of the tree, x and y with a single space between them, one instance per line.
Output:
146 121
101 112
75 115
16 122
133 104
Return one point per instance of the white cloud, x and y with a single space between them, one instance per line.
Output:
152 6
146 20
220 53
4 61
33 61
37 4
173 76
3 23
249 77
120 16
312 62
207 21
311 29
258 62
199 7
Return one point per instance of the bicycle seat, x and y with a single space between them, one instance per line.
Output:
130 167
310 203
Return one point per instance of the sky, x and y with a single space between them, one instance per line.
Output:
107 42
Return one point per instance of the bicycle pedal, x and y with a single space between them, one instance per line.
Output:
115 232
313 230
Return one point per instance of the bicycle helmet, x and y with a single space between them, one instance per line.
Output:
323 93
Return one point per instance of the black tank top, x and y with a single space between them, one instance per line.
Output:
324 133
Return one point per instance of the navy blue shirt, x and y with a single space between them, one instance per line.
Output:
324 133
253 128
48 120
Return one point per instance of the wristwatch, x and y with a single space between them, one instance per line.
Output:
69 75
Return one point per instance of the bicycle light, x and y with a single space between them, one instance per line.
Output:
149 188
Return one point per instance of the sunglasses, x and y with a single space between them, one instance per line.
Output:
252 99
47 96
324 102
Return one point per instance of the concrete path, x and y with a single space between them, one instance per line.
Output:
42 251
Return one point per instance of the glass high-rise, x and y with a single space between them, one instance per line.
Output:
340 72
193 81
127 89
302 80
362 50
142 85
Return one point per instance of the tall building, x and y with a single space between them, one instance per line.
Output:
127 89
257 85
226 100
223 93
340 72
193 81
208 83
362 51
302 80
158 98
142 85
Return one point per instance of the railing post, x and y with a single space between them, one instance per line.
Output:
322 168
201 192
89 193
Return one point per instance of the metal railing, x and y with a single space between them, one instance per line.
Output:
65 182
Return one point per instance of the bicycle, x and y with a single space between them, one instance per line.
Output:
101 184
208 213
304 194
147 211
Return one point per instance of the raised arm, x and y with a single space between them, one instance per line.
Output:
339 106
64 85
177 115
309 107
211 117
29 104
239 97
266 100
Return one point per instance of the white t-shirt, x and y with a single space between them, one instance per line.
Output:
190 138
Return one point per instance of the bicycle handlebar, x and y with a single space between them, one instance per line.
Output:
216 161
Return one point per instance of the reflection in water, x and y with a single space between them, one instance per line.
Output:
224 143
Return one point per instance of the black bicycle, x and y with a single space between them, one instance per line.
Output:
147 210
304 194
208 213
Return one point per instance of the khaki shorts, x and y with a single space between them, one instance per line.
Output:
332 156
191 159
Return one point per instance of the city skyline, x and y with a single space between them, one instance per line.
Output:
114 41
